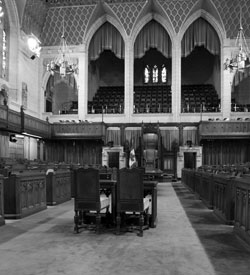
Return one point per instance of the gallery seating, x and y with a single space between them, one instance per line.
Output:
199 98
108 99
131 204
152 99
156 99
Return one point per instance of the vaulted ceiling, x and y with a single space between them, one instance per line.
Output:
44 17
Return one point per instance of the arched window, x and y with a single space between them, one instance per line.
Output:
146 74
3 42
163 74
155 74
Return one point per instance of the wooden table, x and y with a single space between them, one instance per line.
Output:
153 174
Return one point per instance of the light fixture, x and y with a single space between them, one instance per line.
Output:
62 63
241 55
34 45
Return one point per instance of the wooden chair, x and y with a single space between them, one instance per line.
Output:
131 201
88 199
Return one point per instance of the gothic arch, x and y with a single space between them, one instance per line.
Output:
159 19
12 14
98 24
210 19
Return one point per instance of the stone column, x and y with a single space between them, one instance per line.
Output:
176 79
82 84
129 80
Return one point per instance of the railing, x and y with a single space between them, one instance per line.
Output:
224 129
10 119
83 130
36 126
19 122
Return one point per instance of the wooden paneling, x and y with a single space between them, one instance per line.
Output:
224 152
78 130
2 221
224 129
75 151
36 126
242 208
24 194
224 199
58 186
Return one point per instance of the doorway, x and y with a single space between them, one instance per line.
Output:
113 159
190 160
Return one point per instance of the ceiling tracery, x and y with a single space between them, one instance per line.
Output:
40 16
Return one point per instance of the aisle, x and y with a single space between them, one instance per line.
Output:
45 244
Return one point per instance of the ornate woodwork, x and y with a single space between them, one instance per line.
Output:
242 208
24 194
58 186
79 130
224 129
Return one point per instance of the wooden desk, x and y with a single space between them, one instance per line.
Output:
150 187
152 175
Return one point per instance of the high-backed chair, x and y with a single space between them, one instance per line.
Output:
150 158
131 201
150 150
88 198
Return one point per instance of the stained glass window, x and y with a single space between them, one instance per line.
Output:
146 74
163 74
155 74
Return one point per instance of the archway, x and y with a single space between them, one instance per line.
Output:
200 63
152 70
106 71
61 95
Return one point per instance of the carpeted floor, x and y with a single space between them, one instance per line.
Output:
188 239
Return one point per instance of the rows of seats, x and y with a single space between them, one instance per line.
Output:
156 99
107 100
152 99
147 99
235 107
199 98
